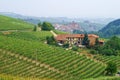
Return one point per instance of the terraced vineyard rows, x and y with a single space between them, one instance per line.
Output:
67 62
10 77
16 66
107 59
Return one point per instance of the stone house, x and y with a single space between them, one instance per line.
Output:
75 39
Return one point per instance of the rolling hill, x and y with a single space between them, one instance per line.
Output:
113 28
26 56
8 23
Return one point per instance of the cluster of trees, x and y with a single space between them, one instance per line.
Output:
113 28
111 69
111 47
51 40
46 26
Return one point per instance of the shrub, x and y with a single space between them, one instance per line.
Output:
75 48
111 69
93 52
66 45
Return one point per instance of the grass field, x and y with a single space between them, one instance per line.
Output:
7 23
30 36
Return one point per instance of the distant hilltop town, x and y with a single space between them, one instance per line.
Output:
70 27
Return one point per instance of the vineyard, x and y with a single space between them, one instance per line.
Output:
24 55
58 63
106 59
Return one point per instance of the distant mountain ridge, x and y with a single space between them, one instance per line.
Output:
86 23
111 29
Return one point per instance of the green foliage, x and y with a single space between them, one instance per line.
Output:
113 43
111 69
47 26
75 48
107 52
86 40
7 23
93 52
35 28
113 28
39 24
111 47
96 41
51 40
66 45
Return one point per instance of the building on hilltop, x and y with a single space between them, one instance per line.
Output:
75 39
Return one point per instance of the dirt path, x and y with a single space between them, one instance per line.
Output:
54 34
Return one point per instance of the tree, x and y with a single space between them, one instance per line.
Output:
35 28
66 45
47 26
51 40
39 24
111 69
86 40
111 47
75 48
97 41
114 43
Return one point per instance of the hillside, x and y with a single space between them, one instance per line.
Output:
7 23
113 28
25 55
89 26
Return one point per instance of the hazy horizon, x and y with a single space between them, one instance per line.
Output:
63 8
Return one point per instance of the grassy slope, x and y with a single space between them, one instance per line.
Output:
60 32
7 23
31 36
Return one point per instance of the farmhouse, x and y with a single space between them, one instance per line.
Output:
75 39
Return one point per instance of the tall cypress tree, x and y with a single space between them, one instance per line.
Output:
96 41
35 28
85 40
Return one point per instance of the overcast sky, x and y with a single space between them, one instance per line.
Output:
63 8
